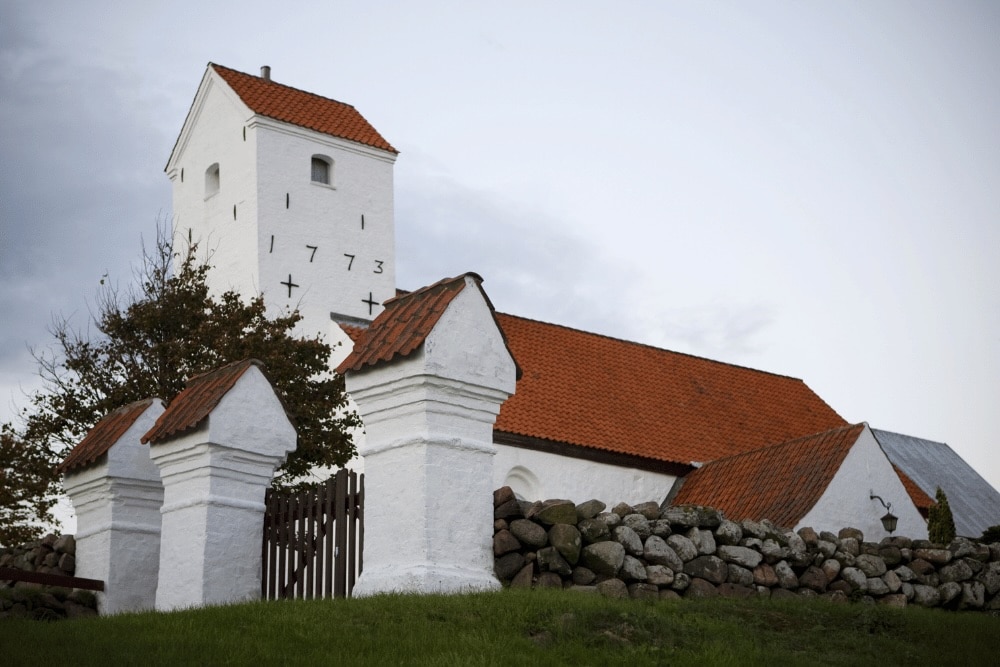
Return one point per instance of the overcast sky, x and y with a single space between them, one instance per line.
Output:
811 189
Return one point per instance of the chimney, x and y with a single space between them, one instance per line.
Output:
265 72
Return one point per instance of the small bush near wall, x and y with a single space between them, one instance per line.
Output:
50 555
642 552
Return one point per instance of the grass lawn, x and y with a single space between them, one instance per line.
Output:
513 628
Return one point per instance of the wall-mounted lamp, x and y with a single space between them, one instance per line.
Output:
890 519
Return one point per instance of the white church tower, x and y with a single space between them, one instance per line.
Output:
290 194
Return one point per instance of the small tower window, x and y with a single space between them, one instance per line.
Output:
322 169
212 180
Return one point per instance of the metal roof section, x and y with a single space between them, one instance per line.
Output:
975 504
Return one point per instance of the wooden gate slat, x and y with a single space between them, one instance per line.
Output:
313 540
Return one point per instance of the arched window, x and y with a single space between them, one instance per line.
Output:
212 180
322 170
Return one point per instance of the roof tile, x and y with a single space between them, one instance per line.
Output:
404 324
199 398
298 107
104 435
594 391
787 479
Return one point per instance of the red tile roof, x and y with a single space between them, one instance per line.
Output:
607 394
298 107
105 434
922 501
405 323
201 395
781 482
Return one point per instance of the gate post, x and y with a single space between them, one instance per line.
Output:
217 447
116 492
428 379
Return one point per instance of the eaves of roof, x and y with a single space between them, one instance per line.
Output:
781 482
103 436
201 395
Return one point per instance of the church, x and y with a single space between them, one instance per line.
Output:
291 193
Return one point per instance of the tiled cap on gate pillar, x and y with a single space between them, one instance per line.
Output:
407 320
100 439
200 397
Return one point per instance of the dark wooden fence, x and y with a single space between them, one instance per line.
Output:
314 540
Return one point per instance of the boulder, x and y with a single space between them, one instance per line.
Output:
643 591
852 533
523 578
657 552
548 580
786 575
659 575
508 510
753 529
529 533
739 575
764 575
709 568
949 591
728 533
831 568
934 556
661 528
603 557
650 510
555 511
742 556
550 560
632 569
622 510
893 581
589 509
583 576
508 565
872 566
855 577
703 540
876 586
973 595
628 539
504 542
699 588
959 570
692 516
639 524
684 548
681 581
814 578
989 577
593 530
566 539
613 588
65 544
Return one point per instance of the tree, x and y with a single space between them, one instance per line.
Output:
940 523
166 329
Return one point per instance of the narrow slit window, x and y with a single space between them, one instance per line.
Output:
322 169
212 180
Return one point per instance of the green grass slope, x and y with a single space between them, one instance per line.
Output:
513 628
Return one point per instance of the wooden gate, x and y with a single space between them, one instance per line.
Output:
314 540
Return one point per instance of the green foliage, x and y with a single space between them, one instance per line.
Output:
150 341
940 523
991 535
515 628
25 492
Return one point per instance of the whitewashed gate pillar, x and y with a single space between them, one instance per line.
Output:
116 492
217 447
428 412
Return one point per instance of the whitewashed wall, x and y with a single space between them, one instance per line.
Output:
537 475
265 172
846 500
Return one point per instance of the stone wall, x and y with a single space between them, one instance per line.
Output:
642 552
50 555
